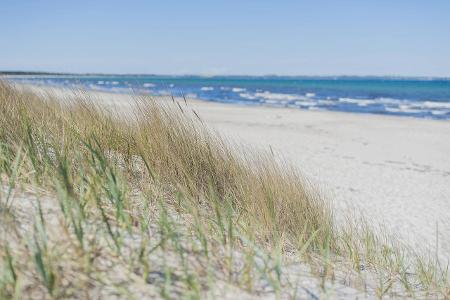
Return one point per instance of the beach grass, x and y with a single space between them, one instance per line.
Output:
143 200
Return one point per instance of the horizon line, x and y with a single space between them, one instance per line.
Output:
22 72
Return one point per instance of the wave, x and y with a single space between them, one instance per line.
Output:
382 104
278 96
440 112
388 104
435 104
148 84
404 109
376 101
207 88
238 90
306 103
247 96
326 102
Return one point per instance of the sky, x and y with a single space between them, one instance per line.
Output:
246 37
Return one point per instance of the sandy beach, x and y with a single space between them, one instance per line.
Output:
393 171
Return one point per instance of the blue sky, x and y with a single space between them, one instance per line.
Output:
402 37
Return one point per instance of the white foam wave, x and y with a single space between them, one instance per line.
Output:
365 102
326 102
115 83
440 112
277 96
305 103
275 102
247 96
99 82
359 102
390 100
435 108
432 104
148 84
410 109
238 90
309 95
404 109
207 88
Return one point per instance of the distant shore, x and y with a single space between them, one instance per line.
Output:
19 73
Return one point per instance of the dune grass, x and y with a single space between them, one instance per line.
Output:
145 201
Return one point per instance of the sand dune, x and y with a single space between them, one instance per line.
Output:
395 171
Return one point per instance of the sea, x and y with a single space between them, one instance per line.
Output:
411 97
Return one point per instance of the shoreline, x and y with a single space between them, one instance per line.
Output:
393 171
103 93
362 97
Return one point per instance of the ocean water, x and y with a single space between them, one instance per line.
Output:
421 98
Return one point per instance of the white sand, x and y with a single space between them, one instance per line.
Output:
395 170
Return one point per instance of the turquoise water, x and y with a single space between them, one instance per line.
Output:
422 98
